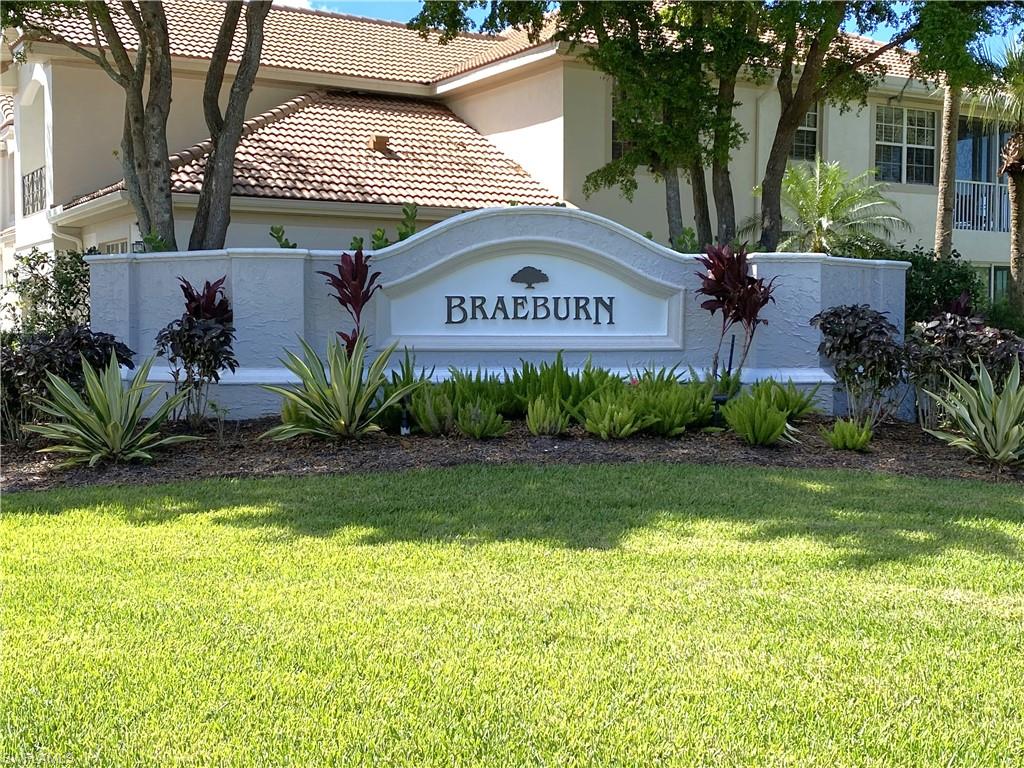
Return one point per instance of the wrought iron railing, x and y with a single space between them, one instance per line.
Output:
33 191
981 206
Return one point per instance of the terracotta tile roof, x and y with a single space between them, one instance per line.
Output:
316 147
6 110
514 42
312 41
897 61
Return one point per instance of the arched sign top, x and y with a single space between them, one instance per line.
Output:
527 278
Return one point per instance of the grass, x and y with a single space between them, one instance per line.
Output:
627 615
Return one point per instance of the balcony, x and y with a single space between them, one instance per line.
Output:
981 206
33 191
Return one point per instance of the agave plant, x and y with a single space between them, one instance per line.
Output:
985 422
825 211
107 424
338 399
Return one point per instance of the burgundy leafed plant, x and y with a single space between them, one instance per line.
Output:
738 295
354 286
210 303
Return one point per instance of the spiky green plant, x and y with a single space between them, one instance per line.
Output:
788 397
546 415
107 424
432 410
614 415
340 399
481 420
848 435
981 419
673 407
826 211
757 421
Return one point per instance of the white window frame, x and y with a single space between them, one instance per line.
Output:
900 137
814 111
114 246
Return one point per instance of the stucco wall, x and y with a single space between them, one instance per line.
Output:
277 297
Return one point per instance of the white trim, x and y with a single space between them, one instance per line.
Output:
502 66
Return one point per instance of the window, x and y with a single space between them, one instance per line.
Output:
805 143
905 145
619 147
1000 283
114 246
984 274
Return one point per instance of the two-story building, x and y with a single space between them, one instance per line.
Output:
352 117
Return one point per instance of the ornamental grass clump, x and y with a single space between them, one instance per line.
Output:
848 435
757 421
545 416
481 420
432 410
339 399
614 415
981 419
107 423
798 403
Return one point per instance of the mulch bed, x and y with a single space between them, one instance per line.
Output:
899 449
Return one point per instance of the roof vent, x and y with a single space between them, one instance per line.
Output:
379 142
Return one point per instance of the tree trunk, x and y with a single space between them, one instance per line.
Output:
156 156
213 213
701 212
947 173
1016 182
673 206
721 179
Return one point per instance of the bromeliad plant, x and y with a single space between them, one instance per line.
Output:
738 295
199 346
984 421
757 421
107 423
848 435
354 286
338 399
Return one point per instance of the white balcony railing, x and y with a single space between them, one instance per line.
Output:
981 206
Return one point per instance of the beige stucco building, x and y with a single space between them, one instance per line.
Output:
484 121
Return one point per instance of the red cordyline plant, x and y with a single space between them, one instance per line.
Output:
738 295
210 303
354 286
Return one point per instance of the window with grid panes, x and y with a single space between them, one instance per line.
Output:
805 142
905 145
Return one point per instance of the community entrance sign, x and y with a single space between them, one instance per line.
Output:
486 290
529 295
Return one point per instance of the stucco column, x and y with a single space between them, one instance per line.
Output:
267 289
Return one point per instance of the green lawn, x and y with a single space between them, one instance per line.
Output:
633 615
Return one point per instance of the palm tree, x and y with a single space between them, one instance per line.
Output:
1005 99
825 211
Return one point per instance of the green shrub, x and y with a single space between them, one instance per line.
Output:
47 292
672 406
933 284
848 435
1005 316
344 403
406 375
984 421
107 423
571 388
862 346
546 416
614 415
787 397
432 410
481 420
277 233
26 360
757 421
471 386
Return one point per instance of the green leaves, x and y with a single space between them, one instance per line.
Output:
848 435
613 416
546 416
757 421
105 424
336 400
984 421
481 420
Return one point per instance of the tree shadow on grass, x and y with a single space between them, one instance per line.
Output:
867 519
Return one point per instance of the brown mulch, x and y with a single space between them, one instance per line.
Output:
900 449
